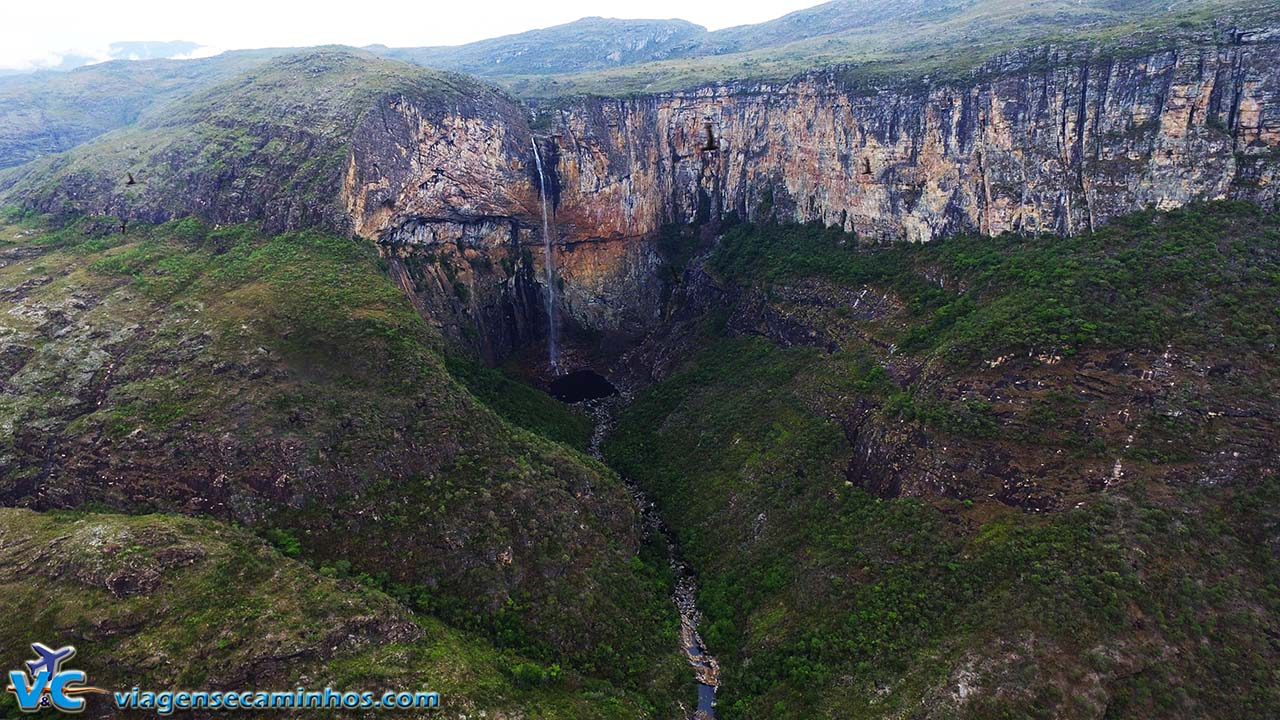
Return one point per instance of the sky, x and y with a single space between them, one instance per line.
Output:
35 34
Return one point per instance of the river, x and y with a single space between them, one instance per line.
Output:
706 669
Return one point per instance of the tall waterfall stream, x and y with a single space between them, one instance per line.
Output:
706 668
548 261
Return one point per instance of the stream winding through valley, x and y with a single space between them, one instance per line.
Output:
705 667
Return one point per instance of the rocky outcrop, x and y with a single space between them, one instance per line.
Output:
453 198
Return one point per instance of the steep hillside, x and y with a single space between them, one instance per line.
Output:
1024 477
269 144
168 603
49 112
284 382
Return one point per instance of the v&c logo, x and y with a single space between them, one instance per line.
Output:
45 683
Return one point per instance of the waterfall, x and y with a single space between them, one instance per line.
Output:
548 262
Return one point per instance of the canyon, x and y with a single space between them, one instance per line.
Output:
938 391
439 170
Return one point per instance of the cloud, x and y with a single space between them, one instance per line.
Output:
203 51
56 59
69 59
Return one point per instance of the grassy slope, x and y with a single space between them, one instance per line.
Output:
165 602
1149 600
268 143
49 112
285 382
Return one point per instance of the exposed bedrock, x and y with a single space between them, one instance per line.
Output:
453 200
1043 141
1038 140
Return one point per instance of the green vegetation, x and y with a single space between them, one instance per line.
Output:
277 132
284 382
211 607
522 405
1202 277
823 600
845 605
45 113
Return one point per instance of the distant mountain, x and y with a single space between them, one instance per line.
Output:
597 43
593 43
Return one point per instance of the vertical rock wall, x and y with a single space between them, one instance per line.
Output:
1046 142
1038 141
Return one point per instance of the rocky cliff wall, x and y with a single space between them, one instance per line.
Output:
439 170
1040 141
453 199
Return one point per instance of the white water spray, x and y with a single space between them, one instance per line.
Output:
548 262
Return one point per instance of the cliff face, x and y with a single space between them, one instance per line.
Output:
453 198
440 170
1040 141
1057 150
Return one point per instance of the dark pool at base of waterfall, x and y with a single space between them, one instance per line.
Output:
581 385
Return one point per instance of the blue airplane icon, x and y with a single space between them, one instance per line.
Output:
50 659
